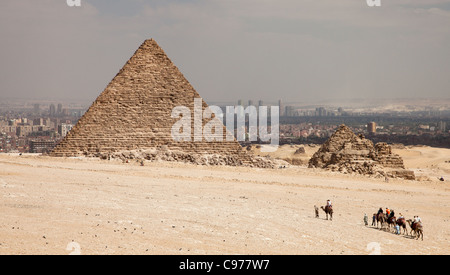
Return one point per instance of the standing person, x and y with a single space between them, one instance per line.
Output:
374 219
366 219
397 229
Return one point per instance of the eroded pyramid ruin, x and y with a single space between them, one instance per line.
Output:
132 117
348 153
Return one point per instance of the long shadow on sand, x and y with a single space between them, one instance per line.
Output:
386 230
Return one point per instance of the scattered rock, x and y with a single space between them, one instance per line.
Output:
164 154
300 151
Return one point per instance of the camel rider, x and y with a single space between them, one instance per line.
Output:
417 219
388 212
329 204
380 211
401 217
392 214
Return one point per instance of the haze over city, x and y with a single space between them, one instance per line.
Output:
300 51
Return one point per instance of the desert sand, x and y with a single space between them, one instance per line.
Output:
51 205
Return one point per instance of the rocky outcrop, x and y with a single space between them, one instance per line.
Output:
300 151
164 154
349 153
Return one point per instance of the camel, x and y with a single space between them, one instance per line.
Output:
381 219
391 221
417 228
328 211
402 223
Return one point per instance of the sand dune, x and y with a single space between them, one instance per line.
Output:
107 207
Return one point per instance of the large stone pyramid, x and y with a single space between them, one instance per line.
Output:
349 153
134 113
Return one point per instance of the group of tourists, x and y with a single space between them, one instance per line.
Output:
389 218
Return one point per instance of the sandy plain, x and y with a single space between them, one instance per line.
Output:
91 206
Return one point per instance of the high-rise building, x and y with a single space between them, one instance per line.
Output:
321 111
36 109
442 126
59 110
289 111
280 104
52 110
372 128
260 103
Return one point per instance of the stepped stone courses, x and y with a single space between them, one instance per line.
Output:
134 113
348 153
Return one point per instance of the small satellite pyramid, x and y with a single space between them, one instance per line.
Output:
134 112
347 152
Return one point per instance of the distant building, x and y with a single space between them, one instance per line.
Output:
38 122
36 109
280 105
372 128
442 126
59 110
64 129
41 146
321 111
23 131
289 111
52 110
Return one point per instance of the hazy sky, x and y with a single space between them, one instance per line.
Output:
297 50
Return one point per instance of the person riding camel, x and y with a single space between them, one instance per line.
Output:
392 214
380 211
329 204
416 220
388 212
